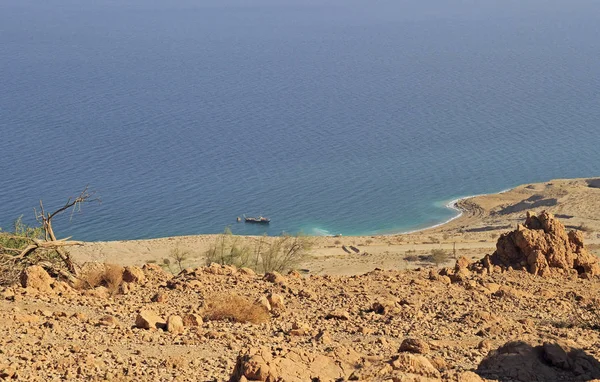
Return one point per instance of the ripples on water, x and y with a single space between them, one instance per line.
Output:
328 117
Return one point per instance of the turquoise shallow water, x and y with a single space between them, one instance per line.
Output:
329 117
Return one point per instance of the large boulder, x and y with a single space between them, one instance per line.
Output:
542 246
522 362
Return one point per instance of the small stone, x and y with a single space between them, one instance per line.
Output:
247 272
276 301
274 277
192 320
159 297
134 274
414 345
109 321
264 301
35 277
175 324
462 262
147 319
338 314
324 337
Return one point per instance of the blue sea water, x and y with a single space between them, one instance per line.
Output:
329 116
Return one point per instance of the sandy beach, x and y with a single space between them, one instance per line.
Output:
473 234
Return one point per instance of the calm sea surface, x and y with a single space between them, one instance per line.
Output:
329 116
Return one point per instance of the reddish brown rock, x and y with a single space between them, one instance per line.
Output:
147 319
159 297
414 345
275 277
543 246
192 320
133 274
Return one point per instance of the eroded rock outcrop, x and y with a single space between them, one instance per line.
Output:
520 361
542 246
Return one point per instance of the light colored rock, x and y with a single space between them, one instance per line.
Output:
264 302
247 271
338 314
36 277
276 301
293 366
175 324
415 364
147 319
469 376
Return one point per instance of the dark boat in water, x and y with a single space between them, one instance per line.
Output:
258 220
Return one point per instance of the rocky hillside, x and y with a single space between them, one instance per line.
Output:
471 322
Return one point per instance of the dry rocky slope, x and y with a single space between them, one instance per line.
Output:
511 316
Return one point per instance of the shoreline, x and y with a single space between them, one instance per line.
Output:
453 205
472 232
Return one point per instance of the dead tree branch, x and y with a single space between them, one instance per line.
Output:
50 242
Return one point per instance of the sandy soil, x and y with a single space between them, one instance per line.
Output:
575 202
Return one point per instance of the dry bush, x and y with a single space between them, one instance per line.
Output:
438 257
234 308
11 243
109 276
279 254
179 255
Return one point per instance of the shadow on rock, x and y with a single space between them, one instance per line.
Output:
519 361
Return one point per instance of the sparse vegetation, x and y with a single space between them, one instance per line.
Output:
434 239
179 256
13 243
234 308
109 276
438 256
266 255
368 242
29 245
